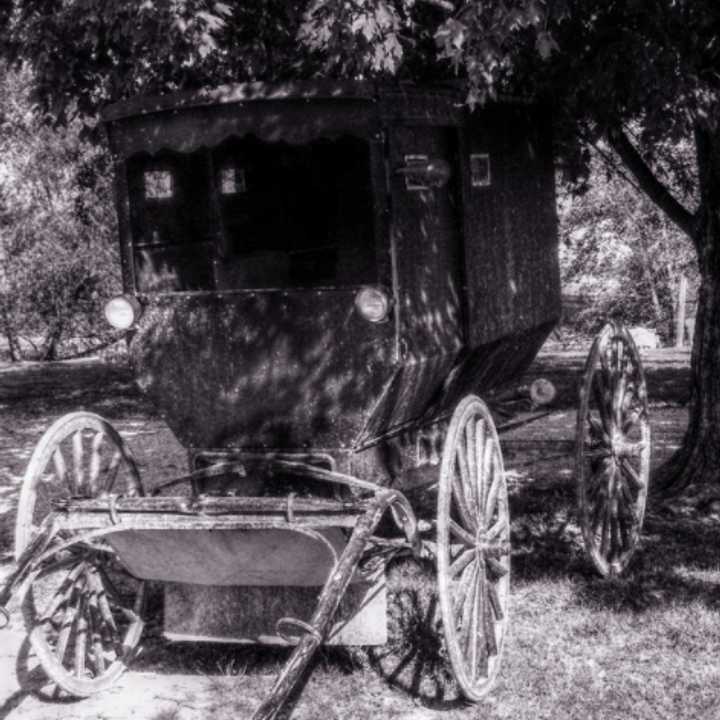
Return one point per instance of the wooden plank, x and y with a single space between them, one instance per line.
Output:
207 505
169 521
248 615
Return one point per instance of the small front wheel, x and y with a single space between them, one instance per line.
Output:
82 610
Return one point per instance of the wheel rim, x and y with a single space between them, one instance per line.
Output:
473 529
84 620
612 450
82 610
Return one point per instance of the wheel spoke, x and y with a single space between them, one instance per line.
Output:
95 461
461 562
598 512
112 472
462 588
103 604
600 391
494 600
488 456
495 569
62 594
488 621
68 622
633 449
631 474
492 497
605 538
480 667
97 656
81 638
61 470
462 535
468 617
77 449
471 454
597 453
466 514
497 529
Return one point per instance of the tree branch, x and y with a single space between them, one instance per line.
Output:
442 4
649 183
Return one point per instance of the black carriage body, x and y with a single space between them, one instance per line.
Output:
251 216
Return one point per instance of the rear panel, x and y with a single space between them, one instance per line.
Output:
274 369
513 283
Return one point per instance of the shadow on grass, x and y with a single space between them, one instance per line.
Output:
667 568
32 681
414 659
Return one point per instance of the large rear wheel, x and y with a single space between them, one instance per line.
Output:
612 450
473 540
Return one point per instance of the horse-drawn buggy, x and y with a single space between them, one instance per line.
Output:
321 283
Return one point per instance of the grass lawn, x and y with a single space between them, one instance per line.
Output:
646 646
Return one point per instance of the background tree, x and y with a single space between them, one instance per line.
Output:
620 254
57 228
609 67
603 66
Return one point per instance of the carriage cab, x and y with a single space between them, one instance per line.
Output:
314 269
322 282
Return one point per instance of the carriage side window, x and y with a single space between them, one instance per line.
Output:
169 220
480 170
158 184
232 180
294 215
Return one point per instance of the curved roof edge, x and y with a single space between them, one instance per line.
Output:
258 91
241 92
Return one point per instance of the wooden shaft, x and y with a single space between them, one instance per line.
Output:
327 606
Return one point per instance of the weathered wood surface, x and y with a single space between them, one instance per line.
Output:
209 505
250 614
327 606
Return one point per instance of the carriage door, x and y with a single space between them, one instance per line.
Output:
426 242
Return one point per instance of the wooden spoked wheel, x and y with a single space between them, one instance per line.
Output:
473 539
82 610
612 450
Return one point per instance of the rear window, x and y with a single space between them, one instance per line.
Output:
250 214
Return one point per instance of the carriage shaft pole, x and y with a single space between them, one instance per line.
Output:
328 603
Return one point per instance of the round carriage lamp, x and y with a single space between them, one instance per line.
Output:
122 312
373 304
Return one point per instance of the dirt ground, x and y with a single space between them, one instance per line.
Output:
169 683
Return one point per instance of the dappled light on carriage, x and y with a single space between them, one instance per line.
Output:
328 291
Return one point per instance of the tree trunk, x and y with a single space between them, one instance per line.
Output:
8 330
698 458
52 340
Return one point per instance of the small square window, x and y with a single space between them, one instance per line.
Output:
480 170
158 184
416 180
232 180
